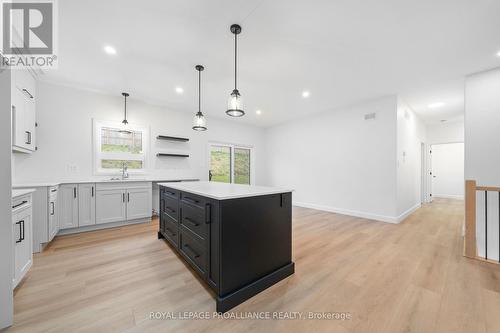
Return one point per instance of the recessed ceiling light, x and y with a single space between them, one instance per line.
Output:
109 49
306 94
436 105
258 112
179 90
443 120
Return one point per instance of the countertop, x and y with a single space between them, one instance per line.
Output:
101 180
18 193
224 191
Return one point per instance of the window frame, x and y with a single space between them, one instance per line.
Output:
98 155
232 147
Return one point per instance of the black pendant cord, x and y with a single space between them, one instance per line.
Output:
125 108
235 60
199 91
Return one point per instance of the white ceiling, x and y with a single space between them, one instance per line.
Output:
342 51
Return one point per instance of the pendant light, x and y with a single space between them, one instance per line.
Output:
235 103
199 121
125 128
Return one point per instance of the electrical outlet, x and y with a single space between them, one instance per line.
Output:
71 168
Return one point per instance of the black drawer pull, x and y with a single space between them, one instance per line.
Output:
191 221
171 193
191 200
28 142
27 93
169 230
19 204
52 208
193 253
170 210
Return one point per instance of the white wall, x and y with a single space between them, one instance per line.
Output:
448 170
64 136
337 161
411 133
446 132
6 237
482 155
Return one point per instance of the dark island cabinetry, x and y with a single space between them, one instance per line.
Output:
238 246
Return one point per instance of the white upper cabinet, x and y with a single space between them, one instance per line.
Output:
138 203
23 96
68 206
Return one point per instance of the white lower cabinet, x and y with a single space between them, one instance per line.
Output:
110 205
68 206
138 203
86 204
22 229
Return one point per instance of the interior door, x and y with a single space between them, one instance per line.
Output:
220 164
448 170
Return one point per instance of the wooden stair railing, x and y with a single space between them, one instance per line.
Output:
470 245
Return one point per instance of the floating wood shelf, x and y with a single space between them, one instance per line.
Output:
171 138
172 155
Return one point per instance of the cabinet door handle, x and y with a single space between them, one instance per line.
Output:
128 197
20 232
123 197
191 221
74 192
92 191
28 142
27 93
19 204
22 229
52 210
193 253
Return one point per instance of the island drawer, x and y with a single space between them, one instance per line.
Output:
171 207
170 192
193 250
170 229
194 200
193 218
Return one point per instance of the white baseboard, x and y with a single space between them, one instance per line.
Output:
448 196
407 213
370 216
101 226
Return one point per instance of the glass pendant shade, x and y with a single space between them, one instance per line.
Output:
199 122
235 105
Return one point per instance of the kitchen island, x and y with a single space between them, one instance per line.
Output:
238 238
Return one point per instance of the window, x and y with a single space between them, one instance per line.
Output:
230 164
115 147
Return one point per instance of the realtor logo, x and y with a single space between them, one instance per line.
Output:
28 33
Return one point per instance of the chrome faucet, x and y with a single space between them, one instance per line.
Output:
124 171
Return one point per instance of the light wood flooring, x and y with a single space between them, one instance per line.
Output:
409 277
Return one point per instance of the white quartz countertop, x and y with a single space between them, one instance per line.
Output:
101 180
18 193
223 191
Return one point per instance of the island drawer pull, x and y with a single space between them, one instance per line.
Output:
191 221
20 204
170 210
170 230
171 193
193 253
191 200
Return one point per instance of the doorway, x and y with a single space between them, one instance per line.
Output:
448 170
